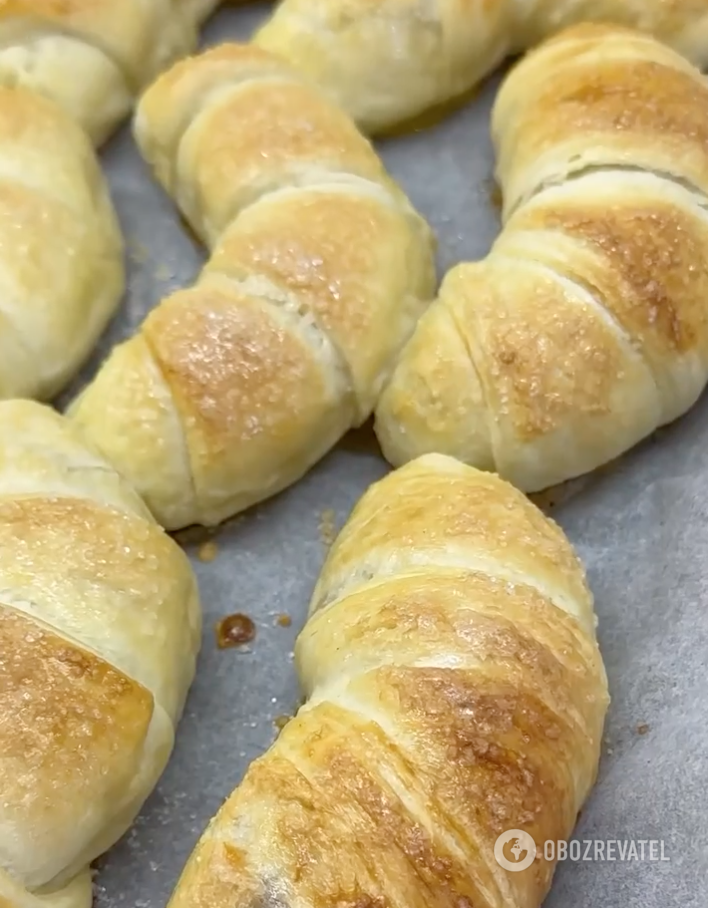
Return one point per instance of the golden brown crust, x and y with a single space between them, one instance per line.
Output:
45 547
188 84
603 114
71 723
585 328
417 615
99 630
319 269
645 261
227 168
438 516
446 705
218 876
354 279
250 388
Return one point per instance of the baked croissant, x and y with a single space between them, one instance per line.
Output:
586 327
455 691
388 61
234 388
61 250
94 56
99 630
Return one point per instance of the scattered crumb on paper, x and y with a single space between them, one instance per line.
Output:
208 551
196 535
327 527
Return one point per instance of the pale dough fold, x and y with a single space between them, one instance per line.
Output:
387 61
61 248
99 632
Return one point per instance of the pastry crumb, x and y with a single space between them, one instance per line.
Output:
284 620
327 527
642 728
195 535
208 551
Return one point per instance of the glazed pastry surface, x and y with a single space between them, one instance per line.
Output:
586 327
233 388
454 691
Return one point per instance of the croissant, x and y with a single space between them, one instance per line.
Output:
232 389
94 56
586 327
389 61
99 631
61 250
455 691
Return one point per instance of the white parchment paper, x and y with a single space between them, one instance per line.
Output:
640 525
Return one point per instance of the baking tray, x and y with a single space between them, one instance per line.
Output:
641 526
